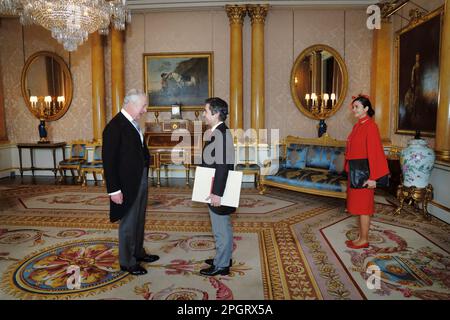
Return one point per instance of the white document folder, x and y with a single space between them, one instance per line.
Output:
203 184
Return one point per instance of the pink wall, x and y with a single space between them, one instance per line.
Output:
287 33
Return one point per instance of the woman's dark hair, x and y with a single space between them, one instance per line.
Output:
366 103
218 105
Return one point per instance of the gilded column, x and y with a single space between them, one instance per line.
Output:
442 143
117 71
380 91
236 15
98 86
3 131
257 15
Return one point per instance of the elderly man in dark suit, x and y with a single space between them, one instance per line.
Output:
218 153
125 162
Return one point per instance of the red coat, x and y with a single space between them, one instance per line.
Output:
364 142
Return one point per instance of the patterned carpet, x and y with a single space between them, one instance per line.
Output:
287 245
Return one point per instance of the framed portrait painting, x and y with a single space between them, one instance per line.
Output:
418 48
184 79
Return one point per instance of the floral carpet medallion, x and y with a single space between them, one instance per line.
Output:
409 264
286 245
48 272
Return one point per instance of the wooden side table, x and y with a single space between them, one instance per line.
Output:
32 146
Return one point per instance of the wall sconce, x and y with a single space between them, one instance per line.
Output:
46 106
320 100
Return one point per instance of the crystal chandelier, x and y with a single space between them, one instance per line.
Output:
70 21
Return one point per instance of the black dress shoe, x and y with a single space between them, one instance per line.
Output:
213 271
148 258
211 262
136 270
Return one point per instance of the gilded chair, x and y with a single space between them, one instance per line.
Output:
95 166
247 159
78 156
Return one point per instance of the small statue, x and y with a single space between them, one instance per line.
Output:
42 132
322 127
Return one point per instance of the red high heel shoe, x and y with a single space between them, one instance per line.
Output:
351 245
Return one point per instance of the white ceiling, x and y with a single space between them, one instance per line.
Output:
149 5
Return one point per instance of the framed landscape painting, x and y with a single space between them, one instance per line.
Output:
183 79
418 48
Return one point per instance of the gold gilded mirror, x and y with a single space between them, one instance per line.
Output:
46 85
319 81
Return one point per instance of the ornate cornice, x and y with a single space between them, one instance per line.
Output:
388 8
257 12
236 13
415 15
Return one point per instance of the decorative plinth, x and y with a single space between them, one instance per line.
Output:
414 196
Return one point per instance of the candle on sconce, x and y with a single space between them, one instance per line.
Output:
33 101
48 100
307 97
313 98
333 98
326 97
48 104
60 100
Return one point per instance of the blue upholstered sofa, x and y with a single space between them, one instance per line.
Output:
313 166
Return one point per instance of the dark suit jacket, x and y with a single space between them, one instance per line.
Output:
124 159
218 153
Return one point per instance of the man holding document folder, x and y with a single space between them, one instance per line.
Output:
218 153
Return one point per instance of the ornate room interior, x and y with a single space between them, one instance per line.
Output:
289 71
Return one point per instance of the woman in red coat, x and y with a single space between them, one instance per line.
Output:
364 142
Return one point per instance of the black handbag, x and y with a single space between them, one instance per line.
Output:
360 173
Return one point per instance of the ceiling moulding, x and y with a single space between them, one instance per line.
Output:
156 5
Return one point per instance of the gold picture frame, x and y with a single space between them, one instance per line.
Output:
417 51
184 79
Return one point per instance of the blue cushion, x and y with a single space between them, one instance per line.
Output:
98 153
71 162
78 150
296 157
311 179
92 165
319 157
337 161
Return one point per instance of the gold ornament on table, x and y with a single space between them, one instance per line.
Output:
320 105
44 107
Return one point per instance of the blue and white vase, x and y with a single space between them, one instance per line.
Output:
417 161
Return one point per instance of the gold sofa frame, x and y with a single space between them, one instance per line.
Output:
325 140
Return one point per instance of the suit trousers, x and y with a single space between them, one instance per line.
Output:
131 227
223 236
